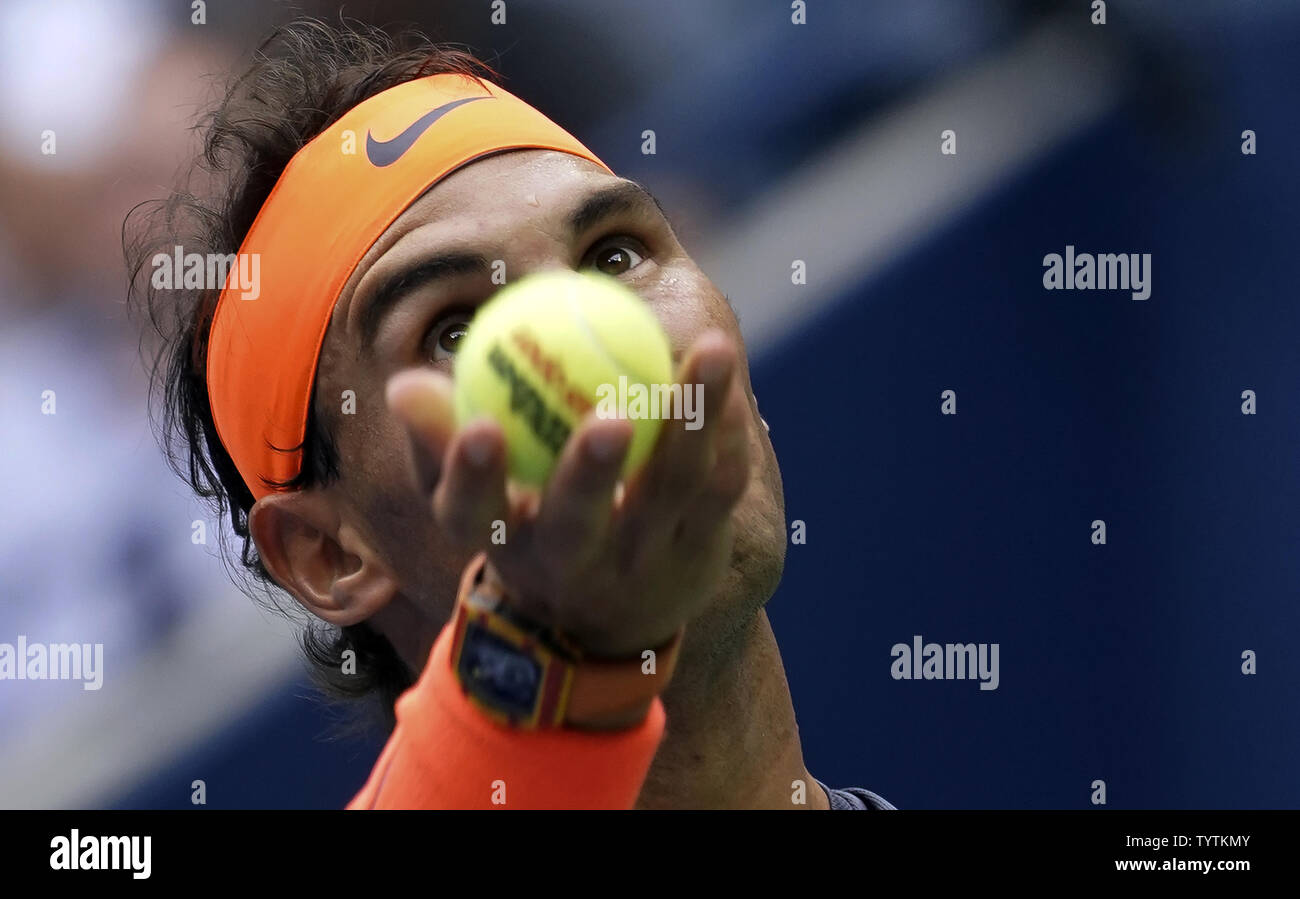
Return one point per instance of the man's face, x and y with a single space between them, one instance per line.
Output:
413 293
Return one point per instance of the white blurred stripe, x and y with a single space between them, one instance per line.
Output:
95 745
872 196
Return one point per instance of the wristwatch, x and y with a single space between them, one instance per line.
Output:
527 676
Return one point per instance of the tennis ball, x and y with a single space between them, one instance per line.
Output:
551 347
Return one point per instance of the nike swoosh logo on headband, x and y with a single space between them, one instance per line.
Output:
386 152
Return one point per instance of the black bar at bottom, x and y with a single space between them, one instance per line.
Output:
379 850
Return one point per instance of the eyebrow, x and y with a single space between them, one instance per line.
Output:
626 196
397 287
623 197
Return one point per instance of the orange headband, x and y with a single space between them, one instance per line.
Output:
335 198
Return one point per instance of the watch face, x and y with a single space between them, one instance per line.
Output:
498 674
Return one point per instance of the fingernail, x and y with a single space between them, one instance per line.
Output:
407 394
478 449
606 446
714 369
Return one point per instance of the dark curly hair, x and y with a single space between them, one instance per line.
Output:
303 78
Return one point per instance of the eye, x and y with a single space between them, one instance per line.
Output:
446 334
616 256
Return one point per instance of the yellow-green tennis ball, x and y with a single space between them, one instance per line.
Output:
550 348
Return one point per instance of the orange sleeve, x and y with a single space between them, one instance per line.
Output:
445 754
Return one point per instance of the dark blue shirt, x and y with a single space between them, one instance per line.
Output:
856 799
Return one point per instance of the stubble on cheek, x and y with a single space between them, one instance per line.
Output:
378 486
693 304
760 524
427 566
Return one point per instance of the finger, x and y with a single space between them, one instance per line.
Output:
577 502
421 400
471 494
727 482
684 454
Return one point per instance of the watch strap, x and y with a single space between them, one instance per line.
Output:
577 688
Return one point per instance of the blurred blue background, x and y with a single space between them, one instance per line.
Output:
775 142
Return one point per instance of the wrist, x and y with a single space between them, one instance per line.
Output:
615 647
526 675
615 720
605 646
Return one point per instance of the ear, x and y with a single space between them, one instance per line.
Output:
320 559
